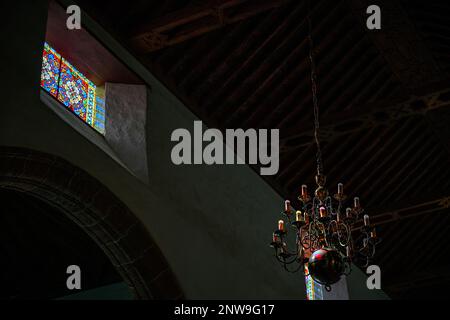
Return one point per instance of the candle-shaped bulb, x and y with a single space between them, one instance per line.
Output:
348 212
338 216
366 220
287 207
356 202
348 251
299 216
340 189
304 191
323 212
281 225
373 234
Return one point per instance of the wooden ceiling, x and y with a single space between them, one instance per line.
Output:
384 98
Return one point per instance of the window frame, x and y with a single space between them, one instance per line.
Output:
56 97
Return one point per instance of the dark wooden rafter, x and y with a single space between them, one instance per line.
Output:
195 21
424 278
360 67
370 115
432 249
234 60
272 66
289 72
400 43
265 51
381 165
430 206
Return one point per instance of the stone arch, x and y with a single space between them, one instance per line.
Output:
98 212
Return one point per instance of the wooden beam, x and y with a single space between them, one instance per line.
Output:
428 277
371 115
192 22
421 208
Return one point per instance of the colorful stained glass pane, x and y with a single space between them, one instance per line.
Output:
313 289
75 91
98 118
51 63
63 81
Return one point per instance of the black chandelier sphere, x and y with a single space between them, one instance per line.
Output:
326 266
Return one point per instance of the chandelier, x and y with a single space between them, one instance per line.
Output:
328 239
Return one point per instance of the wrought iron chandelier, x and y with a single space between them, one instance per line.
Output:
327 238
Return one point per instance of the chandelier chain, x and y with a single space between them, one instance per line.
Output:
315 99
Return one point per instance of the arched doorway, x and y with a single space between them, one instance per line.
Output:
37 245
67 189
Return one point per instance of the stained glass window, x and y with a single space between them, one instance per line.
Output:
98 115
313 289
51 64
64 82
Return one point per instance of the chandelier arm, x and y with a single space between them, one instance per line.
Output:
290 253
348 235
287 264
323 233
374 248
305 245
293 270
367 262
371 250
283 260
360 250
330 227
294 259
366 241
305 239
